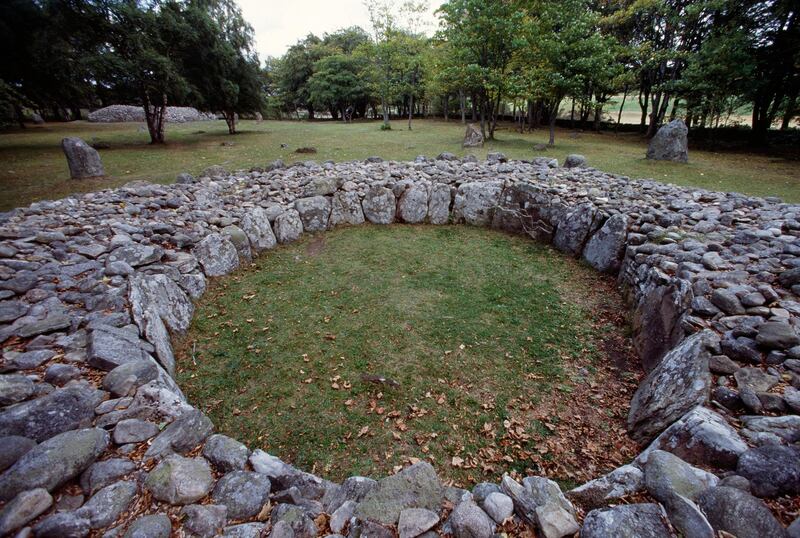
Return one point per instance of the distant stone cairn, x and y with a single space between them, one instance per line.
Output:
83 160
671 143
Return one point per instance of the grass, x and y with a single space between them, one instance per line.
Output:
494 344
33 166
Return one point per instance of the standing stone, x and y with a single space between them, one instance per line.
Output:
671 143
679 383
473 138
83 160
379 205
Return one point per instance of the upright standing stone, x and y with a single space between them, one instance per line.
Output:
671 143
83 160
473 138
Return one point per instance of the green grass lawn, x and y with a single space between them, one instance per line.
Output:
501 356
32 166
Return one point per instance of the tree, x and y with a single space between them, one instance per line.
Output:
389 23
567 54
336 83
218 60
296 68
484 35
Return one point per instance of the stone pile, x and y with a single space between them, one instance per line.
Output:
96 437
124 113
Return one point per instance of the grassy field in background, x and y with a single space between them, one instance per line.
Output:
501 355
33 167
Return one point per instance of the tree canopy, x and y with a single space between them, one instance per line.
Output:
703 60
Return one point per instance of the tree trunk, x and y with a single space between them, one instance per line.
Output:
446 106
410 110
230 119
385 110
495 112
20 116
474 108
552 141
791 109
572 115
310 112
531 123
154 115
483 114
644 100
621 108
462 102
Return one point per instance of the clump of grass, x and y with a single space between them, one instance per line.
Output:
472 324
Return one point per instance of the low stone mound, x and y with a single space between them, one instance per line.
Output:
92 287
131 113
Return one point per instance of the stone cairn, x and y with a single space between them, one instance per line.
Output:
96 437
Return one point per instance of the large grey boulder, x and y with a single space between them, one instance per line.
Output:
439 204
475 202
379 205
657 316
469 521
739 513
671 143
12 448
255 224
217 255
82 159
771 430
240 240
54 462
415 521
152 526
244 493
575 227
204 520
626 521
413 204
602 491
346 209
679 383
25 507
288 227
104 473
416 486
314 212
676 485
110 347
61 410
14 388
135 254
354 488
225 453
178 480
108 504
182 435
701 437
772 470
605 248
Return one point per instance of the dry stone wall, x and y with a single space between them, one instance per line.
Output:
93 287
